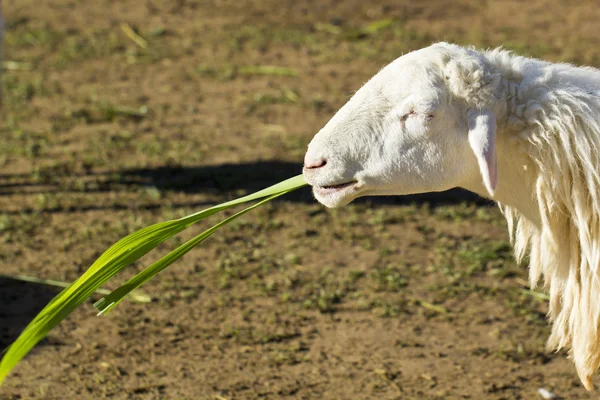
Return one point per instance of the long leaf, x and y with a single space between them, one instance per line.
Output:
110 301
118 256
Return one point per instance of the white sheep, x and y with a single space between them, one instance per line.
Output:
520 131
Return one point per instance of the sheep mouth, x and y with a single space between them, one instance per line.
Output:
326 189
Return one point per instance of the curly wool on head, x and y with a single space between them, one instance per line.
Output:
552 113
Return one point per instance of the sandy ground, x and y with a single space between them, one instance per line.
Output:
391 298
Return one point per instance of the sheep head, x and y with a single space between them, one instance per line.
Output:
427 122
424 123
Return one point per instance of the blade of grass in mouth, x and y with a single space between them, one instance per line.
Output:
107 303
120 255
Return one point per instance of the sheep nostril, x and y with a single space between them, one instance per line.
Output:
313 164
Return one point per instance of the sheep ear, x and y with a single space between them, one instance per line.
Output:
482 138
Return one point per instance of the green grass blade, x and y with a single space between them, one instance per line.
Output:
285 186
118 256
107 303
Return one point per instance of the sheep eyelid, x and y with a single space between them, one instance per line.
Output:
408 114
404 117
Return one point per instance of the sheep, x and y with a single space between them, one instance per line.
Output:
520 131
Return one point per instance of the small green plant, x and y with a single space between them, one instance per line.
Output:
120 255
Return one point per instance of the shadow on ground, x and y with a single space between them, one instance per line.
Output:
223 180
20 302
251 177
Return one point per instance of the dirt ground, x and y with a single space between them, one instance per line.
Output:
392 298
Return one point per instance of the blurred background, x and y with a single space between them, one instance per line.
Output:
119 114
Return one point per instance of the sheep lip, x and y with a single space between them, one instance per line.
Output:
338 186
335 188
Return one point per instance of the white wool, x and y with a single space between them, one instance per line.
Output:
553 110
405 132
559 107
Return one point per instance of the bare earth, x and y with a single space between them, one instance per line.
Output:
391 298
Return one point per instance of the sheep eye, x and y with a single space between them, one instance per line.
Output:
429 117
405 116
